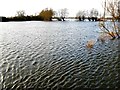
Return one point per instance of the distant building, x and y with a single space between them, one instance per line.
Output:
2 19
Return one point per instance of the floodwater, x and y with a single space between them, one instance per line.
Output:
54 56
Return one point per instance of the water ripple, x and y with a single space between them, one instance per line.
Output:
53 57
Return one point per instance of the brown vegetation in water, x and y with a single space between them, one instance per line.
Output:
103 37
90 44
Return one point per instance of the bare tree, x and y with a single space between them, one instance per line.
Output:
94 12
81 15
20 13
111 7
63 13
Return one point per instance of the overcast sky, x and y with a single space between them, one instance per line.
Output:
9 7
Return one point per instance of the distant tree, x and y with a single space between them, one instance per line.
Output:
20 16
94 12
63 13
55 14
20 13
81 15
46 14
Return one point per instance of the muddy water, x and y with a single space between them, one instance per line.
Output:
53 55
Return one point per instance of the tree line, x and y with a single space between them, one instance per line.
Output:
45 15
49 14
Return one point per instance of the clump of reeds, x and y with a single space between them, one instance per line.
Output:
90 44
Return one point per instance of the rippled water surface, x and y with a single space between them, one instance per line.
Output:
53 55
